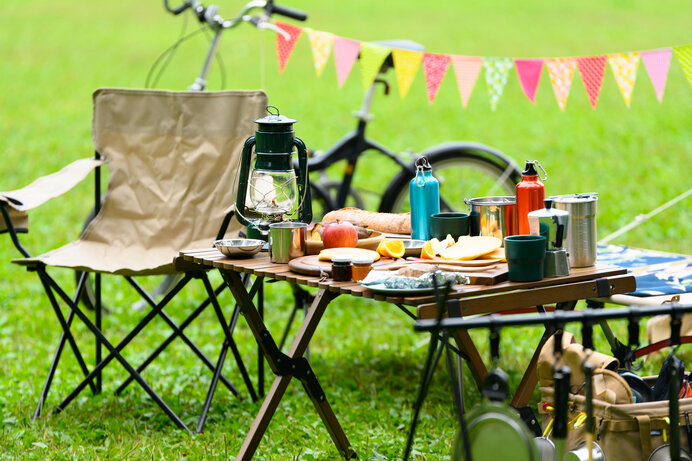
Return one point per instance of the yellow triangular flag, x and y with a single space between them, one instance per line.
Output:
624 66
371 58
684 54
321 44
406 64
561 72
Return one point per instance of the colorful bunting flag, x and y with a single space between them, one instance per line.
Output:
496 72
684 54
529 72
466 69
406 64
321 44
371 58
561 72
624 66
434 67
657 64
592 70
284 47
345 54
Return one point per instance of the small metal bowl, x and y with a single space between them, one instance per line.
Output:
239 248
413 248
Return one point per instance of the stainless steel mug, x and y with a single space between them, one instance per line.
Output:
581 228
286 241
581 453
493 216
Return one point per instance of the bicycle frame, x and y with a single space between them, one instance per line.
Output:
349 148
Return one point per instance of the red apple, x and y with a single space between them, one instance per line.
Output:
340 234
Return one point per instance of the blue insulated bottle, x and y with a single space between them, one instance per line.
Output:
424 192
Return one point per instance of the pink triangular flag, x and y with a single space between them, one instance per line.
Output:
345 54
592 70
657 63
529 72
435 67
284 47
466 69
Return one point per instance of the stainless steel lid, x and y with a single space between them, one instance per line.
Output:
575 198
498 200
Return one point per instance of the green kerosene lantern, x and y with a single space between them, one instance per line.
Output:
269 191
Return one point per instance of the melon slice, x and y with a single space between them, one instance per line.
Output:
326 254
471 248
497 254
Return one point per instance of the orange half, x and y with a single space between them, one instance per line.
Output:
391 248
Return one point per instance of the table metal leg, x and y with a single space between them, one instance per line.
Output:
287 367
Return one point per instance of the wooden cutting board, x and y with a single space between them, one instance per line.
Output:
495 274
311 265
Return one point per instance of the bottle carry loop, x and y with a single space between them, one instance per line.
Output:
541 168
421 163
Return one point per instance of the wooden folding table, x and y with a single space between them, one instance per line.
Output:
473 299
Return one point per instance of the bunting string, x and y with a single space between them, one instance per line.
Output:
407 64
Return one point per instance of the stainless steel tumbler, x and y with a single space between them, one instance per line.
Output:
581 228
286 241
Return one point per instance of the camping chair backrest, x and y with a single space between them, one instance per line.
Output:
172 159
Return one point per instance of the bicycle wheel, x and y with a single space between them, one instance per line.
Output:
464 171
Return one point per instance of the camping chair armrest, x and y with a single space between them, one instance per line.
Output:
17 202
229 213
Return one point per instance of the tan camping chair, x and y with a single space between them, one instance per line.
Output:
172 159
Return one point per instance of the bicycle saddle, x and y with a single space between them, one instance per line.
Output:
400 44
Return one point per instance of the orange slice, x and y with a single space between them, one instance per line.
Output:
392 248
427 252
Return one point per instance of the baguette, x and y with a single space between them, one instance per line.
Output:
383 222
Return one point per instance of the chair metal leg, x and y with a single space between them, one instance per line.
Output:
229 337
114 351
180 333
217 373
169 340
97 318
260 355
58 354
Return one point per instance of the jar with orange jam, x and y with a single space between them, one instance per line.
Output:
362 265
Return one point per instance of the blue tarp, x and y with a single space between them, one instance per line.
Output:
657 273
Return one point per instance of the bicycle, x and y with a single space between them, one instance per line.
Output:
464 169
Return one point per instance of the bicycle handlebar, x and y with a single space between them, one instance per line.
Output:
178 9
209 14
292 13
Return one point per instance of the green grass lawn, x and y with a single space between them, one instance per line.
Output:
55 53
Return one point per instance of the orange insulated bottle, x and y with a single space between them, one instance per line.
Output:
530 194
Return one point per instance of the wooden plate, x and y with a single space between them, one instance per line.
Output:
311 265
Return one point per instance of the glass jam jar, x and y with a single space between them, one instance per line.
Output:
362 265
341 268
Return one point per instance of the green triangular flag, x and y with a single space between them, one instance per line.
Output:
371 58
684 55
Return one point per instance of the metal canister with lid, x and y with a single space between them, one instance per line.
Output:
493 216
581 228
